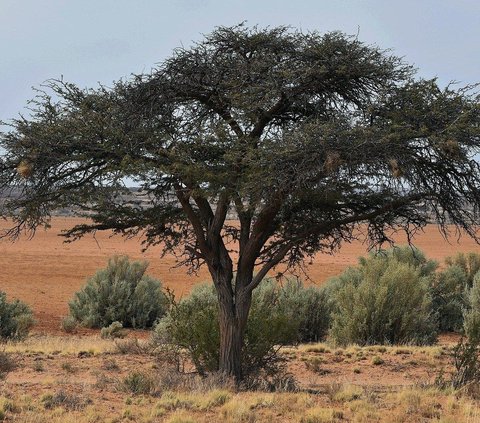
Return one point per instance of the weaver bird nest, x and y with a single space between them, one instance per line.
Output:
395 168
25 169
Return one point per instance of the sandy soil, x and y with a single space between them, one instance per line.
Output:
87 376
45 272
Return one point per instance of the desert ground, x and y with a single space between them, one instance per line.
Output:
80 377
45 272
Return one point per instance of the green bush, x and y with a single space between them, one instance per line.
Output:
384 300
466 361
448 291
192 326
16 319
310 306
408 255
138 383
469 263
69 324
472 313
114 331
120 292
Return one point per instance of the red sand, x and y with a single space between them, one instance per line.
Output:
45 272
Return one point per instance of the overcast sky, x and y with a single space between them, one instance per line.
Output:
91 41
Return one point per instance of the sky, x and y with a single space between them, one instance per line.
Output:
92 41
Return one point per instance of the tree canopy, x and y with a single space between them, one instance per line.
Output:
310 139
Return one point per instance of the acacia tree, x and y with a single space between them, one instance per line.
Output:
311 140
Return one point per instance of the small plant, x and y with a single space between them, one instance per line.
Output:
7 364
132 346
63 399
68 367
467 365
315 365
38 366
322 415
69 324
16 319
346 393
465 354
377 361
103 381
472 312
114 331
121 292
110 364
138 383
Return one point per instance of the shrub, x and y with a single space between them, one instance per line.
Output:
270 324
472 313
69 324
115 330
407 255
466 353
64 399
16 319
384 300
469 263
7 364
121 292
448 292
308 305
138 383
192 326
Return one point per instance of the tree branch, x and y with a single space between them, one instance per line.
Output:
322 229
194 220
267 116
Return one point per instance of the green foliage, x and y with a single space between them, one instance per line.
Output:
468 262
407 255
115 330
448 292
138 383
192 325
309 305
16 319
385 301
271 323
472 313
466 364
466 353
121 292
69 324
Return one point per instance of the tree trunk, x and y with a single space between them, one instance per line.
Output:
231 343
233 321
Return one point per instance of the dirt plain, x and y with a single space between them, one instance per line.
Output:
81 378
45 272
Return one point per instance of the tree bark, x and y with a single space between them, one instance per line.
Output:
233 316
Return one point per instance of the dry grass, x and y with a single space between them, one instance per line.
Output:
88 379
348 405
61 345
